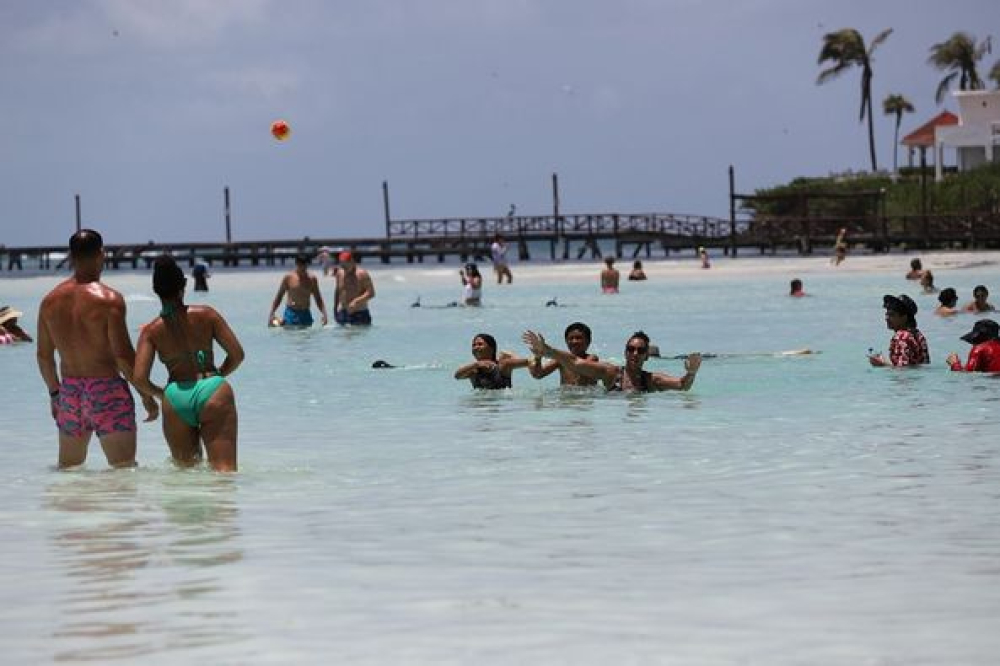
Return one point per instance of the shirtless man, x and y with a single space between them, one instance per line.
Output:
84 321
577 342
300 287
352 292
609 276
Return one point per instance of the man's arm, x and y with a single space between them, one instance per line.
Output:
336 291
124 353
45 356
582 366
314 287
540 370
360 301
282 288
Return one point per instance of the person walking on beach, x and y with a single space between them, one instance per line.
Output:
300 286
489 370
630 377
198 403
472 285
703 256
985 354
908 345
83 321
10 331
609 276
980 300
840 247
577 338
498 253
948 303
352 291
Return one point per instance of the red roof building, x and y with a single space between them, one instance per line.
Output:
923 136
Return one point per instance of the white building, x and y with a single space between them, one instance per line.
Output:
976 137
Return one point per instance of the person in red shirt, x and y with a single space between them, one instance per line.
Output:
908 345
985 355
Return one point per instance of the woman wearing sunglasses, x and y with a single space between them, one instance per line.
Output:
629 377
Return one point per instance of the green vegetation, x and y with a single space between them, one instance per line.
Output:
856 196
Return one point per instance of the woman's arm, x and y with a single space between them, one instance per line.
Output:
144 364
229 343
581 366
664 382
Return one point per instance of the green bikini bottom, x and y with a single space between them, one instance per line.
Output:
189 398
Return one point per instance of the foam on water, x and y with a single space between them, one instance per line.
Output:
788 510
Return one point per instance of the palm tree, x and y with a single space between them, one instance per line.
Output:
896 105
845 49
959 56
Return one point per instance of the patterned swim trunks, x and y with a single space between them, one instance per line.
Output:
94 404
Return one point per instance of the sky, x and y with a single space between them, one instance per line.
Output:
147 109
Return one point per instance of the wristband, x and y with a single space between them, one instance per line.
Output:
53 394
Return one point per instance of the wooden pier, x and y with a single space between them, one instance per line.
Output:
568 237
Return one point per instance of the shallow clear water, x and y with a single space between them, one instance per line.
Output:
787 510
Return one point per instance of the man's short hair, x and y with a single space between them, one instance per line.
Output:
302 260
85 243
578 326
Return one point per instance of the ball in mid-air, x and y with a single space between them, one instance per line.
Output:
280 130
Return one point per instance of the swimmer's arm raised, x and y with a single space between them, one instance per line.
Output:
664 382
581 366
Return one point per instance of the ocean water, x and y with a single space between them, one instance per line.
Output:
787 510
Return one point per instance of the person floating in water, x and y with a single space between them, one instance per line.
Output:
637 273
980 300
630 377
948 303
609 276
908 345
577 338
489 370
795 288
199 406
985 354
472 285
300 286
353 290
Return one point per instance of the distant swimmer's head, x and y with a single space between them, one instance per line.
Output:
916 265
484 346
380 364
85 243
948 297
168 278
982 331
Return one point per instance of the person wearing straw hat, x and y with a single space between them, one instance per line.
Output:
985 354
10 332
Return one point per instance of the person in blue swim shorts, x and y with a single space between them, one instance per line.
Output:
353 290
300 286
199 406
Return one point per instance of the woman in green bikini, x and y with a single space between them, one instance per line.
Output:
198 403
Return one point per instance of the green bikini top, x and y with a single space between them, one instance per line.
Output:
169 311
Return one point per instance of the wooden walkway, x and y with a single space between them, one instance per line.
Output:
566 237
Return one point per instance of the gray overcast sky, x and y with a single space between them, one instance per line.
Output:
148 108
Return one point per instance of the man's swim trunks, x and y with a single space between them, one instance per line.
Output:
189 398
94 404
359 318
293 317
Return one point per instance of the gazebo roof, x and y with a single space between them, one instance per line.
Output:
923 136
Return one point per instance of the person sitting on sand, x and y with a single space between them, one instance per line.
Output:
985 354
630 377
637 272
979 302
489 370
947 303
577 338
609 276
916 270
795 288
908 345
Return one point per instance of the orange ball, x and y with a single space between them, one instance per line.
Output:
280 130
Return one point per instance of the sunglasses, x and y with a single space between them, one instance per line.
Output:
634 349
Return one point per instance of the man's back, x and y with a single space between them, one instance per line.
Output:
78 318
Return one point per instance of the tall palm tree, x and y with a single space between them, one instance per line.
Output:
896 105
959 56
846 48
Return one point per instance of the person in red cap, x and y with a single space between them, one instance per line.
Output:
354 288
985 355
908 345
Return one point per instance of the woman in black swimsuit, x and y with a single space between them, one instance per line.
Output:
629 377
489 371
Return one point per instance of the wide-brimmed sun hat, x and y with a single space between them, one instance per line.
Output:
7 313
902 304
982 330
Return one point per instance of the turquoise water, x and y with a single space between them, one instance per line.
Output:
787 510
